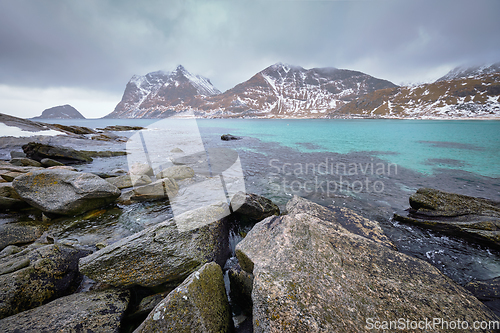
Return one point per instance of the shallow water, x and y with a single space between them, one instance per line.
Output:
371 166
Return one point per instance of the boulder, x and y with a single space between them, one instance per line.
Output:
64 192
343 216
166 252
23 161
431 202
314 275
117 128
37 275
229 137
198 305
139 169
12 204
159 190
39 151
487 291
93 311
7 190
241 283
475 219
75 129
16 154
253 206
125 181
176 172
48 162
11 175
19 233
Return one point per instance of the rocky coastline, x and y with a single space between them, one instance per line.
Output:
309 268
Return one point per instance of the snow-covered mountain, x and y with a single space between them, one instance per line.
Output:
160 94
282 91
470 72
464 93
278 91
60 112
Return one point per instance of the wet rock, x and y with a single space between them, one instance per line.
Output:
12 204
241 283
23 161
6 190
253 206
176 172
475 219
11 175
64 192
199 304
431 202
487 291
141 169
166 252
93 311
125 181
37 275
159 190
39 151
313 275
147 304
108 136
19 233
117 128
17 154
345 217
75 129
229 137
48 162
62 167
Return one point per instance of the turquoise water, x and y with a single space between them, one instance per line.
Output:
420 145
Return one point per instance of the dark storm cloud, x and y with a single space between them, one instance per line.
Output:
101 44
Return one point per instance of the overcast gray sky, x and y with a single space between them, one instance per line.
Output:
55 52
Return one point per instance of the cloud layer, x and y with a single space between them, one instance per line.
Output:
98 45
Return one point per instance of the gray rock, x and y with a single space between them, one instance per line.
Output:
64 192
176 172
23 161
148 303
11 249
37 275
253 206
6 190
19 233
141 169
93 311
198 305
11 175
127 181
48 162
241 283
39 151
313 275
166 252
229 137
345 217
16 154
458 215
159 190
488 291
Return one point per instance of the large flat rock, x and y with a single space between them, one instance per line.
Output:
64 192
313 275
166 252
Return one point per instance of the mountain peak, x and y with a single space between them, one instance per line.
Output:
463 72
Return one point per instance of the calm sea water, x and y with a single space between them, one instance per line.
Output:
371 166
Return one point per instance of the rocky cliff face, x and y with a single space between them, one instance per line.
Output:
161 94
276 92
61 112
462 93
282 91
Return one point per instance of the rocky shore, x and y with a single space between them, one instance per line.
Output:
311 268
